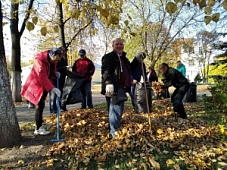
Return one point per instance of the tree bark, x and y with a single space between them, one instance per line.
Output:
16 48
16 53
9 129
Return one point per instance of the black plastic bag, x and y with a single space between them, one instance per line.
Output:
140 98
120 96
191 95
71 91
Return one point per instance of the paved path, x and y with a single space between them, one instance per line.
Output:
26 115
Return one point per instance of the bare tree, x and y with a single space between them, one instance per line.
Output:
155 30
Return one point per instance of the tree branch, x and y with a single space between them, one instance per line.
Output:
26 18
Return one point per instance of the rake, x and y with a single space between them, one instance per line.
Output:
58 139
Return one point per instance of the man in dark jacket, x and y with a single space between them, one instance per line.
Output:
85 67
116 74
137 73
174 78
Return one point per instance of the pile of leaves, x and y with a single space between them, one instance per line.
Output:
159 140
157 86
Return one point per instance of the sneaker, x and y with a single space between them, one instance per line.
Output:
41 131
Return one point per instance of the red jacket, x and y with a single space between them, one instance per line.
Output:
38 80
84 67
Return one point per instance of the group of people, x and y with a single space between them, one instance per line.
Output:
118 72
119 76
48 76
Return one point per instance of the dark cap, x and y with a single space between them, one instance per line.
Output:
54 51
82 52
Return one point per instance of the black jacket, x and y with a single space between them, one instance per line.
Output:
137 70
111 69
174 78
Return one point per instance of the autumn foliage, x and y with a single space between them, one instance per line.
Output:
86 132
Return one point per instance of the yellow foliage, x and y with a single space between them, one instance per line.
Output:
30 26
171 7
86 134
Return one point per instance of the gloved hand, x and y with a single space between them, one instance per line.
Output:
109 88
58 75
56 91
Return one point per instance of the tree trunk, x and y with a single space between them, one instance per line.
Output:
16 47
16 53
61 27
9 129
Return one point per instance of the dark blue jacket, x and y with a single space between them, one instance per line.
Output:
137 70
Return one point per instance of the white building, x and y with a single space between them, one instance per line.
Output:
196 58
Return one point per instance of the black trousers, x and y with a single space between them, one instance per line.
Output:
39 110
177 98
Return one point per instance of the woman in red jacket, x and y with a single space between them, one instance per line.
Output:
39 83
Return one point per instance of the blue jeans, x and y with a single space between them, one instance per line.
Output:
87 95
115 115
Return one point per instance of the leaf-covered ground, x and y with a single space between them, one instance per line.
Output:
159 140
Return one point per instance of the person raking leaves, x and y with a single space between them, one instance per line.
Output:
39 83
174 78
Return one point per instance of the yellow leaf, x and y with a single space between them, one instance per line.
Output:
56 28
170 162
221 128
207 19
50 162
20 162
207 10
215 17
82 122
35 20
155 164
202 4
176 167
171 7
159 131
195 2
75 13
126 22
30 26
211 2
43 31
224 4
222 164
